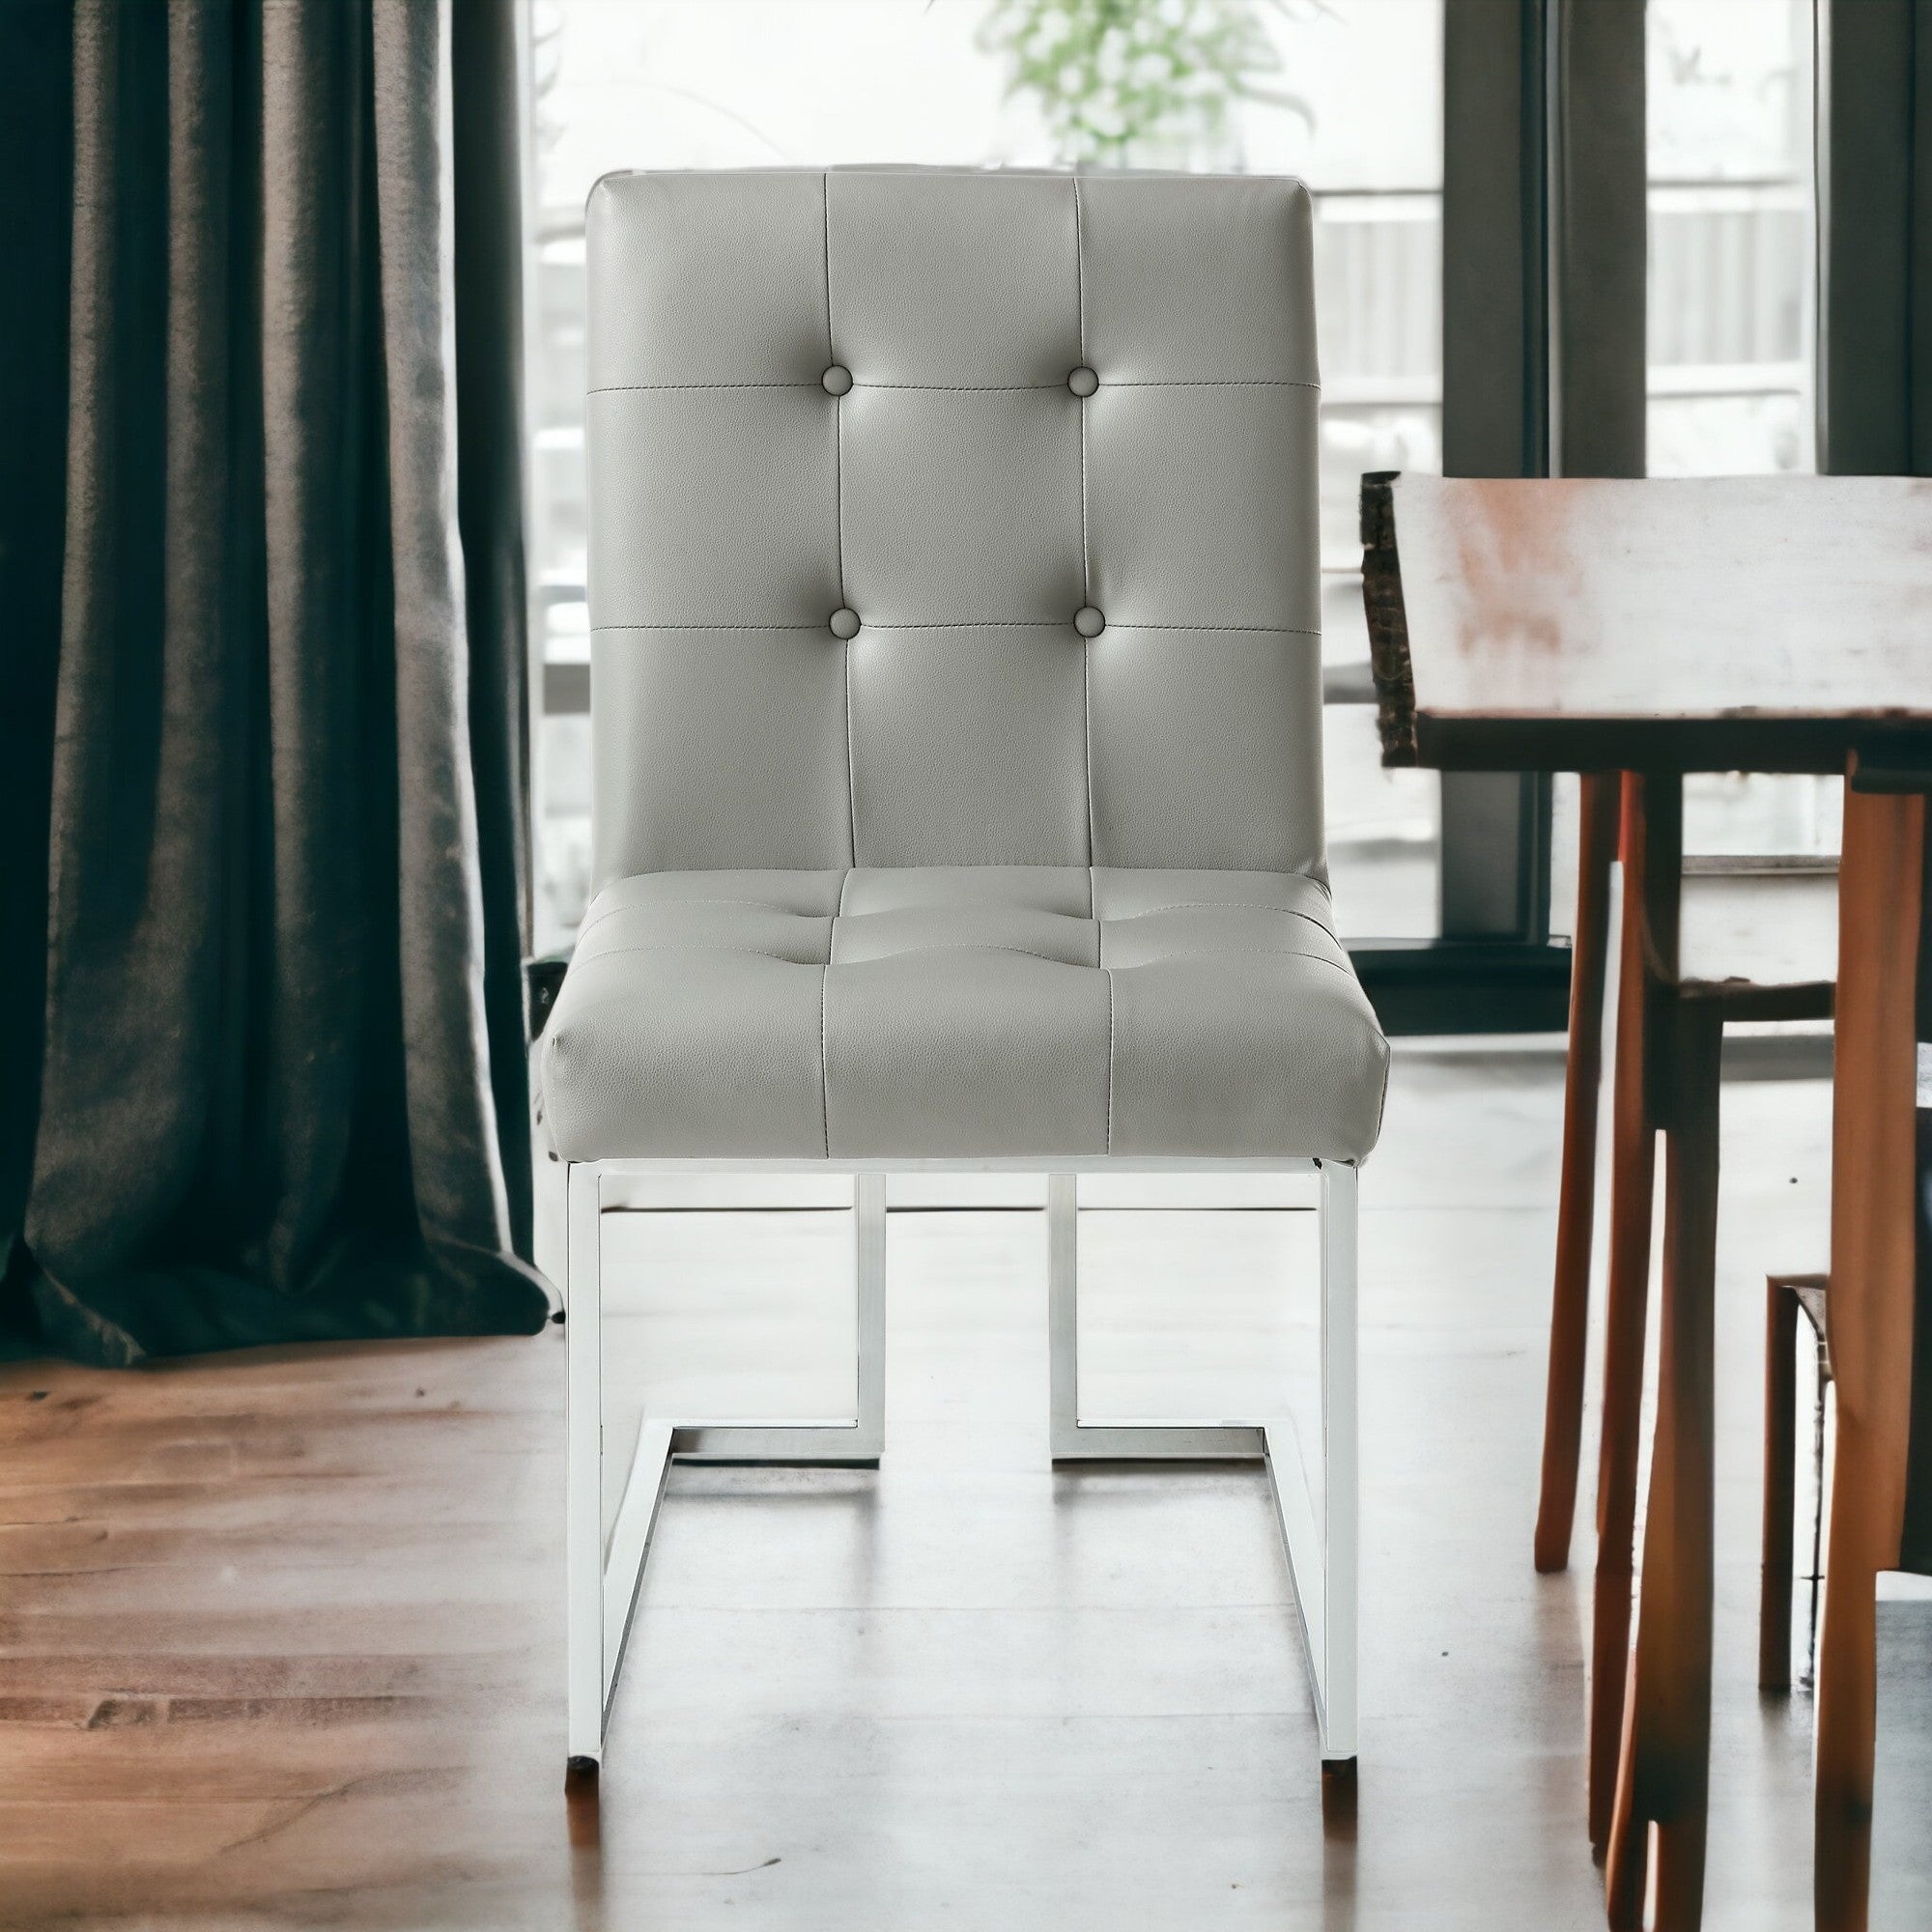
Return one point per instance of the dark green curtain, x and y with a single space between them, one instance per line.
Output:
1875 399
263 1068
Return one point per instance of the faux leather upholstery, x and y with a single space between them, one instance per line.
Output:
969 876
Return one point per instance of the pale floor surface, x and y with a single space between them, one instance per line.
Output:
280 1637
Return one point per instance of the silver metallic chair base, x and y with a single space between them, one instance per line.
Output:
604 1574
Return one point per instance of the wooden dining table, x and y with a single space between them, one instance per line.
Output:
1659 628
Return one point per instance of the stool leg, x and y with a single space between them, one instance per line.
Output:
1663 1777
1847 1707
1875 1232
1632 1183
1780 1454
1575 1212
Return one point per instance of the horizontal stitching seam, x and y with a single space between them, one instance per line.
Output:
1242 953
974 624
976 389
973 905
969 946
978 865
1009 907
1275 629
899 173
631 388
967 388
1209 382
701 946
658 905
1216 905
983 945
940 905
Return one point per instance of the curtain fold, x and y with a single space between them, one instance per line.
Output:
36 227
281 1086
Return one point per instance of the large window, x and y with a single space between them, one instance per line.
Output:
1275 86
1732 309
1732 221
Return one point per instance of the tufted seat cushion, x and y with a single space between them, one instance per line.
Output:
960 1010
955 675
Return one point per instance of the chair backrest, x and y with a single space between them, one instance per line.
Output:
815 396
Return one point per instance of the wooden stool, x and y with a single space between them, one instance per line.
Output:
1601 840
1668 1049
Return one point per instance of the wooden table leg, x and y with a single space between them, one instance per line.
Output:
1869 1315
1576 1211
1652 815
1664 1776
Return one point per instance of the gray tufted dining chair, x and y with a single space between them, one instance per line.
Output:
958 799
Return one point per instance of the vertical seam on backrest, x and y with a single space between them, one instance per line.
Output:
838 489
825 227
839 526
824 979
838 402
1100 959
1109 972
824 1068
851 768
1080 325
1086 732
1086 566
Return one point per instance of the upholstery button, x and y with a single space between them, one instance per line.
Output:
1083 381
1088 621
845 623
836 380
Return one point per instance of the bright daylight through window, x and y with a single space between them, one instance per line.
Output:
1733 305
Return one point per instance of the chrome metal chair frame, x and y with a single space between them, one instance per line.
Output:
606 1572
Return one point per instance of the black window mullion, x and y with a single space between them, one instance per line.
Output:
1544 191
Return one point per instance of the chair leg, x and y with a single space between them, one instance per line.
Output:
1665 1774
1341 1453
1780 1456
868 1286
1575 1213
1075 1441
1322 1555
1063 1313
584 1475
1633 1186
604 1574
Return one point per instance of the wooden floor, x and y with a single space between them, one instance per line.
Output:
280 1634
